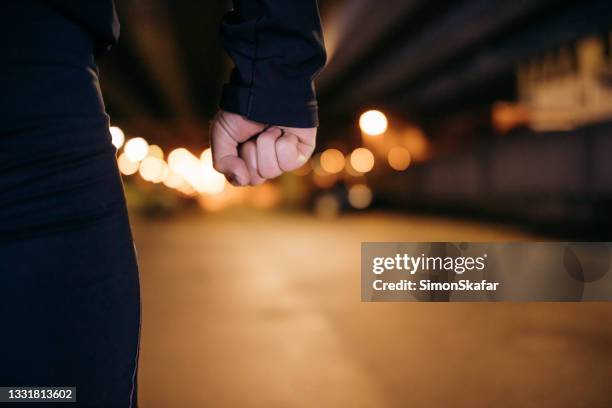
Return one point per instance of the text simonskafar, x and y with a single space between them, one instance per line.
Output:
426 284
431 264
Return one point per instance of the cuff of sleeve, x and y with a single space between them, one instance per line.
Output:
265 107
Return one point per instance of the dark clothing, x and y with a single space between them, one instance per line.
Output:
276 45
69 292
97 17
277 48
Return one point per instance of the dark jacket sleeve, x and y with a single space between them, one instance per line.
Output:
277 49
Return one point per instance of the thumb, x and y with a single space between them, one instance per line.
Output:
294 147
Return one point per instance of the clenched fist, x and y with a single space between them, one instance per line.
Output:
248 153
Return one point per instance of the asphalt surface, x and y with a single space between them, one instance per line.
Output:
263 310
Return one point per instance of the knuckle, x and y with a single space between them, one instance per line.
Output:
264 140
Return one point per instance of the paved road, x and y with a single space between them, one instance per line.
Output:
244 310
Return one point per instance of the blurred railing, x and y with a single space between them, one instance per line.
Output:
548 177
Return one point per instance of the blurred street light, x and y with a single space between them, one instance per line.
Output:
316 165
206 156
156 151
416 142
173 180
126 166
360 196
332 161
117 136
210 181
151 168
373 123
324 180
362 160
182 161
136 149
348 167
327 206
399 158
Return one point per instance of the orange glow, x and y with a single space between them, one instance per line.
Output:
173 180
324 180
316 165
200 174
136 149
151 168
360 196
399 158
506 116
163 174
362 160
304 170
265 196
181 161
332 161
213 203
209 180
349 168
327 206
187 190
156 151
415 141
126 166
206 156
373 123
117 136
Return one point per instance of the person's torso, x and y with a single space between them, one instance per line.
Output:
47 67
97 17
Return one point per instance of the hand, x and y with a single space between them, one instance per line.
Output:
249 153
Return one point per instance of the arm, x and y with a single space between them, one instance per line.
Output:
268 117
277 48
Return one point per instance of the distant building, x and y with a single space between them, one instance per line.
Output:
568 87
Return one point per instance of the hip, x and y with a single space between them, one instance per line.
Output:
58 176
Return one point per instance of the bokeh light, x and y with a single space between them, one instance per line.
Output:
327 206
316 165
360 196
304 170
211 181
151 168
362 160
117 136
399 158
373 123
415 141
173 179
206 156
188 190
136 149
163 174
332 161
348 168
324 180
156 151
126 166
182 161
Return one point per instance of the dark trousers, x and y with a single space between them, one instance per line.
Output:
69 290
